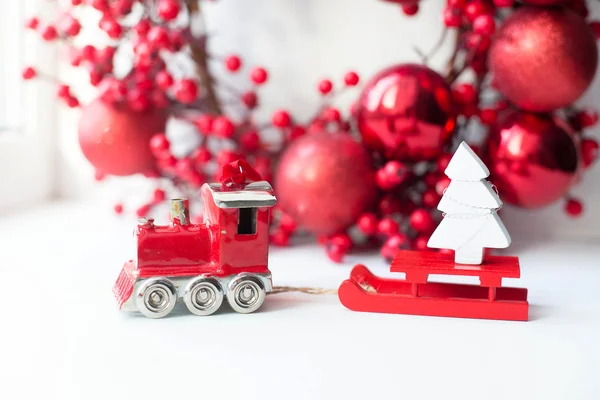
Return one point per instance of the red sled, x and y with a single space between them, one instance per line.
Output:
415 295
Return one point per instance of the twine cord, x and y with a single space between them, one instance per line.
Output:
306 290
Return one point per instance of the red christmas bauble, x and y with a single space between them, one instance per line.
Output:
116 139
533 158
405 112
325 181
542 59
543 2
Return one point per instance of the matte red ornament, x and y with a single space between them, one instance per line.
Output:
116 139
415 295
542 59
325 181
405 112
534 159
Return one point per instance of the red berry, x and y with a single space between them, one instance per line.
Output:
410 9
112 28
88 53
452 17
388 227
72 102
389 205
488 116
250 99
186 90
332 114
281 119
280 238
142 28
441 165
204 123
63 91
422 221
118 208
589 151
250 141
158 37
70 26
367 223
28 73
465 94
121 7
587 119
398 241
168 9
335 252
342 240
573 207
32 23
76 2
476 8
396 171
441 185
595 27
202 155
223 127
49 33
351 78
504 3
287 224
158 196
430 198
226 157
184 168
258 75
325 86
296 132
420 243
138 100
233 63
159 144
99 175
458 4
143 210
159 99
105 54
484 25
163 80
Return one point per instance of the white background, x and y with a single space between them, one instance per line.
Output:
62 337
301 42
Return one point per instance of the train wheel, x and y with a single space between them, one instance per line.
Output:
203 296
156 297
246 294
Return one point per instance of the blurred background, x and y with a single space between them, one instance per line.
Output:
299 43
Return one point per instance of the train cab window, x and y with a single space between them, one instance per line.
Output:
246 221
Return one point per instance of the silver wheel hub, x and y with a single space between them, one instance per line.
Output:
246 294
203 296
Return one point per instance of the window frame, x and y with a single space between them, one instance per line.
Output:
27 152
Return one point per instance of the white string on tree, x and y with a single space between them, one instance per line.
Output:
470 206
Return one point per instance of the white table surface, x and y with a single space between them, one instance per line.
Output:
62 337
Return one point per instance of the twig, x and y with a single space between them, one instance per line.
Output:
436 47
200 57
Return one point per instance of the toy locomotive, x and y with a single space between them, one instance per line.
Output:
224 257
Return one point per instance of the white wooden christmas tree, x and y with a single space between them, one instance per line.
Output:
470 206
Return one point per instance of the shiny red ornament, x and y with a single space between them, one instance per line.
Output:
534 159
116 140
542 59
405 112
325 181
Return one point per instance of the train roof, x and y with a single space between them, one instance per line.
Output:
254 194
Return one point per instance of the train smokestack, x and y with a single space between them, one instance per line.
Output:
180 211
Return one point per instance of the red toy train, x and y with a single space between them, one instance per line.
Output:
223 257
